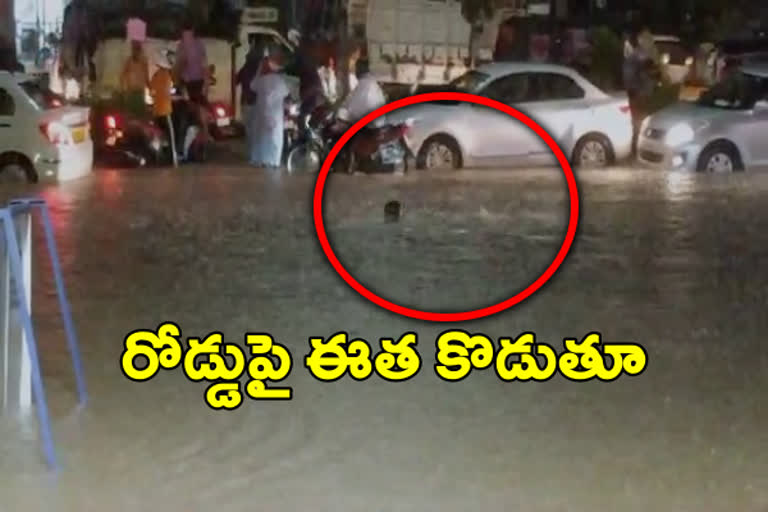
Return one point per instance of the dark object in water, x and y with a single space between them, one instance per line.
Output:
392 211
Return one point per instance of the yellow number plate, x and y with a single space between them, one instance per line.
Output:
79 134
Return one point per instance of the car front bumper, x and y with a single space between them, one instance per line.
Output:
653 153
65 163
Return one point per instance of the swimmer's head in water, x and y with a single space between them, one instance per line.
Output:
392 211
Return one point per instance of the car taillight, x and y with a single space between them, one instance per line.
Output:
110 122
221 112
57 133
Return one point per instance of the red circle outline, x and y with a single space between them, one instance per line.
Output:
573 193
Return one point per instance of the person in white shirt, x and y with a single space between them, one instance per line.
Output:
363 99
328 80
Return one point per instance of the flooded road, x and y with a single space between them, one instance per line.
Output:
673 262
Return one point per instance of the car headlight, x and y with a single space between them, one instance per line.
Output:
293 110
679 134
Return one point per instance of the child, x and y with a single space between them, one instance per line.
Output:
162 106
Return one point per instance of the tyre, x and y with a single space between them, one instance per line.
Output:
439 152
344 162
303 158
198 152
720 157
16 167
593 152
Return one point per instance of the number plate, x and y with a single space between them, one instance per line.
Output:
222 122
391 154
79 134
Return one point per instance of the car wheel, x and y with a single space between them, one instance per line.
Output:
439 152
593 152
15 167
720 157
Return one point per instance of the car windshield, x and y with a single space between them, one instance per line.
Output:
738 91
44 98
469 81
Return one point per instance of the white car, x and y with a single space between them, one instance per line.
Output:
592 128
40 135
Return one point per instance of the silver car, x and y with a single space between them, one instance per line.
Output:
593 128
725 130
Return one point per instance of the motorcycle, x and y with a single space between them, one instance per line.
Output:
122 139
379 149
291 128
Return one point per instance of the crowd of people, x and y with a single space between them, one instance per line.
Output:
264 92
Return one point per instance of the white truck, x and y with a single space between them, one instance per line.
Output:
413 42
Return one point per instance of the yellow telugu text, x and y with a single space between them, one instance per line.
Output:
523 359
458 352
211 360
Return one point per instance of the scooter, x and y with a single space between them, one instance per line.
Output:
123 140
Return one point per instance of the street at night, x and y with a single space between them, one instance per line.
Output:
671 261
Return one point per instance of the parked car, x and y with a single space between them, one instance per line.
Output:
592 128
40 134
723 131
676 58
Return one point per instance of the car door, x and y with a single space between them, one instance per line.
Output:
560 106
8 135
757 132
749 128
499 136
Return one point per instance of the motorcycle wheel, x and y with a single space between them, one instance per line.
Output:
344 163
304 158
197 152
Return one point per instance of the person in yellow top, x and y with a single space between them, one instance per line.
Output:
160 87
135 77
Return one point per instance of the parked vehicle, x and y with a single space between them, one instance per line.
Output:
676 58
123 139
375 149
593 129
723 131
291 128
411 42
40 134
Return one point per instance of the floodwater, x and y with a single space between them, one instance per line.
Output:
674 262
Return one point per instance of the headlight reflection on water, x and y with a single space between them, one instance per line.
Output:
679 185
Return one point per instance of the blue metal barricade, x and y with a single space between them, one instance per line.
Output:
16 218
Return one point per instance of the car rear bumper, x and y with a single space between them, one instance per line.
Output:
66 163
656 155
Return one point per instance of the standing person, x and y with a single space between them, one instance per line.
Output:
310 84
192 70
328 80
365 98
268 116
244 78
354 58
135 78
160 87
